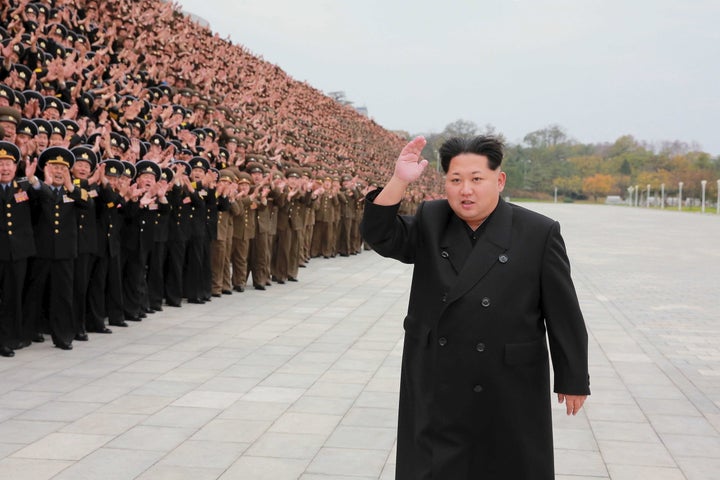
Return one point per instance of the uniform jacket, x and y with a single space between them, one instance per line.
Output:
475 383
56 230
16 230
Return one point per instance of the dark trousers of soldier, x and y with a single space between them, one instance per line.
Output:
343 237
206 270
259 259
218 250
281 256
294 256
134 284
306 246
156 275
355 237
270 254
54 277
227 284
240 258
192 280
332 239
105 294
174 272
12 278
81 279
322 240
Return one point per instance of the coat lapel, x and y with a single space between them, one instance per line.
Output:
487 251
455 246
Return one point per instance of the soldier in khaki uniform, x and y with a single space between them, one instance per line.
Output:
226 191
259 256
324 218
243 232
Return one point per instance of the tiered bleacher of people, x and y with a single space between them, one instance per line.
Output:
144 161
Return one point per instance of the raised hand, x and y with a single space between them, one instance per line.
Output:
409 165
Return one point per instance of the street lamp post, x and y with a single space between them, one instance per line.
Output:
718 199
680 184
662 195
630 195
647 199
704 184
555 198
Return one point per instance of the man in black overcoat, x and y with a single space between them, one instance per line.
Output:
491 286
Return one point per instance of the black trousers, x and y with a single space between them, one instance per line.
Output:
54 278
12 279
156 275
174 268
83 268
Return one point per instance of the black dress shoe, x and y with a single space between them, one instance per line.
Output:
227 292
104 330
198 301
268 283
20 344
142 315
82 337
259 287
64 346
173 304
38 338
206 299
217 295
133 319
6 351
292 279
148 310
156 308
239 288
281 282
120 323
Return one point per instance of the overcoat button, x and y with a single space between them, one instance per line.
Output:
442 341
480 347
485 302
477 388
444 298
503 258
444 254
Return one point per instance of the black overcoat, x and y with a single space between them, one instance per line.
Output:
475 382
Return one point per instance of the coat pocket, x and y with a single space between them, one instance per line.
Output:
416 332
526 352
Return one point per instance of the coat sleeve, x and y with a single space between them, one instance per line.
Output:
567 334
391 235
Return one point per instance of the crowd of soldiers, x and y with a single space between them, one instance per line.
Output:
145 161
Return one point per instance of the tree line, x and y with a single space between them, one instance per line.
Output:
548 158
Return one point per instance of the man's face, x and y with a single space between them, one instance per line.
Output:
51 114
21 140
81 170
473 189
57 140
7 170
42 141
197 174
113 182
10 132
145 181
257 177
244 187
57 173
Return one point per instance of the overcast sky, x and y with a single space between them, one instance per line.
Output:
598 68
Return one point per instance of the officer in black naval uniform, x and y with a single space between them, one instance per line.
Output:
82 169
16 245
51 272
197 242
147 199
182 202
105 293
158 255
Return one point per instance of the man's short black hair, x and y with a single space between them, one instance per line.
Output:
486 145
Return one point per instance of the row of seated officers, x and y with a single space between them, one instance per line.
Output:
85 241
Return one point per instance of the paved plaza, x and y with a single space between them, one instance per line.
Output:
301 381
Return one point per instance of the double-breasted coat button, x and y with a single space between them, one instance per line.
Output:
485 302
444 298
444 254
503 258
477 388
442 341
480 347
